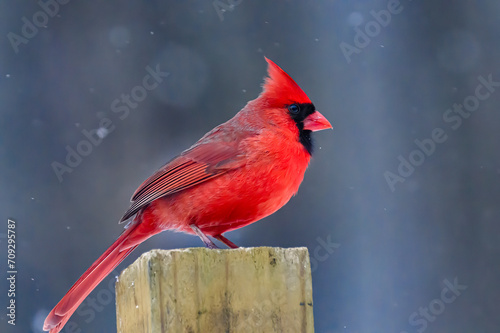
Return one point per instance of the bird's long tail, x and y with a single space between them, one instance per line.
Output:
121 248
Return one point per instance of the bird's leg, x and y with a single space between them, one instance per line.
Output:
208 242
226 241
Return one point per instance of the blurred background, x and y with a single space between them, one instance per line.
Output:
400 206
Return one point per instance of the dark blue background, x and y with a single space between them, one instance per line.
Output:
395 249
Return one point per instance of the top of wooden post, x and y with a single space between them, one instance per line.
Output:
201 290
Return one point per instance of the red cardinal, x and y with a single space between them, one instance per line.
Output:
238 173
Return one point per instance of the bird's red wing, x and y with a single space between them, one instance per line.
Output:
194 166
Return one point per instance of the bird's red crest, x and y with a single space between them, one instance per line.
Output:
280 88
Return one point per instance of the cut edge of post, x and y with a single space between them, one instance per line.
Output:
267 288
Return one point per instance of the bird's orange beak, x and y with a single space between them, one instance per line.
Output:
316 122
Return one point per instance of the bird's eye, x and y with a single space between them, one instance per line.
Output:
294 109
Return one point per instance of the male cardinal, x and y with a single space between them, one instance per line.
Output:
238 173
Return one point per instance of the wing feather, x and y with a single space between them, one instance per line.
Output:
205 160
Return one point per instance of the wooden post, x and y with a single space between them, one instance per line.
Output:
199 290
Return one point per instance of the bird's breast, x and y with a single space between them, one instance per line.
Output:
270 177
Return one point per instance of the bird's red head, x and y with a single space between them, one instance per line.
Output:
280 88
285 104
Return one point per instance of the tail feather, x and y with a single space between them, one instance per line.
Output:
113 256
